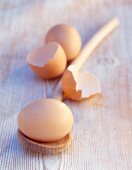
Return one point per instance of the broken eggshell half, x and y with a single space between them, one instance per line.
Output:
79 85
48 61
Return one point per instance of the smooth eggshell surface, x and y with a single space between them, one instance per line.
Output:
45 120
68 37
48 61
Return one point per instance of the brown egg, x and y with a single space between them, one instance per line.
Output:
45 120
48 61
68 37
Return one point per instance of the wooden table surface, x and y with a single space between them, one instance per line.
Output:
102 127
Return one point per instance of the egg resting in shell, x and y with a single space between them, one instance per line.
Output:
48 61
45 120
77 85
68 37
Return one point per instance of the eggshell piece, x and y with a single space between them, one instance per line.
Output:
45 120
68 37
48 61
77 85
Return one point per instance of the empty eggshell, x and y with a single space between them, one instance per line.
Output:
68 37
45 120
48 61
77 85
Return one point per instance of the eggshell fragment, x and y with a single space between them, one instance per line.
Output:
68 37
77 85
45 120
48 61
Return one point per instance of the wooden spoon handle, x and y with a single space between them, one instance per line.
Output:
94 42
87 50
58 94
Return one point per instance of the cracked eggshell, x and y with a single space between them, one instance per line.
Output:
48 61
45 120
68 37
77 85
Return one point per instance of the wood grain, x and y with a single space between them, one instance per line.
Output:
102 128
